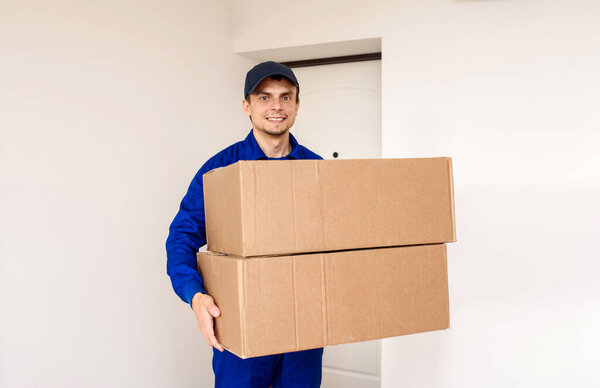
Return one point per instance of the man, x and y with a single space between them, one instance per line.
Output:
271 101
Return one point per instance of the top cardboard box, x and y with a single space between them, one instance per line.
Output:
256 208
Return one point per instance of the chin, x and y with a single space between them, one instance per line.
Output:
275 131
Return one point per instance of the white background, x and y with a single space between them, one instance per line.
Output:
108 109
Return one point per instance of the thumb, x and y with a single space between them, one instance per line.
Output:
214 311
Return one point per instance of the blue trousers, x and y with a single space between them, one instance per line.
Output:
288 370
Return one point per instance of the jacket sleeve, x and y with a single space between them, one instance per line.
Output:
187 234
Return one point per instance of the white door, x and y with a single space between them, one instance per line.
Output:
340 114
340 109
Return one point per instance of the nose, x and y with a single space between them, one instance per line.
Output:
276 104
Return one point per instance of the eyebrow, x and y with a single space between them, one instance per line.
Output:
270 94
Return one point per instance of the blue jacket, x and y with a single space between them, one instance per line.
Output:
187 232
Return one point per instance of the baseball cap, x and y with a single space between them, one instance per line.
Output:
266 69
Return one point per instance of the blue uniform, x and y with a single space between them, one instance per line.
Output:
187 234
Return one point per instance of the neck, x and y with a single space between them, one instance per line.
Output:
274 146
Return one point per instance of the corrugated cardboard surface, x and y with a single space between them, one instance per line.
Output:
280 304
256 208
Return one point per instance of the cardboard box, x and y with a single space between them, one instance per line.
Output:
256 208
273 305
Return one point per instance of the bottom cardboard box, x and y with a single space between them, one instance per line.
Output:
280 304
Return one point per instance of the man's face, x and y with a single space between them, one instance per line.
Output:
272 107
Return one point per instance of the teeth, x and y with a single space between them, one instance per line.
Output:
275 118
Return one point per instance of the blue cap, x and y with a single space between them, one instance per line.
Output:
266 69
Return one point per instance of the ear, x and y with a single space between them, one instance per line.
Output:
246 107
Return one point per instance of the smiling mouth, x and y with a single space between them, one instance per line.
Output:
275 119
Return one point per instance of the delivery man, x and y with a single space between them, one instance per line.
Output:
271 101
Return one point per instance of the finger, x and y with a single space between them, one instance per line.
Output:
200 317
209 335
215 343
212 307
206 323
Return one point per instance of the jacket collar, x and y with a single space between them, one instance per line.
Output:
254 152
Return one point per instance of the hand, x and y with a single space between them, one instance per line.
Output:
206 311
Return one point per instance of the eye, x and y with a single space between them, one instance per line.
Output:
263 98
286 98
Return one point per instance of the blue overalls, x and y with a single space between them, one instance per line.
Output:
187 234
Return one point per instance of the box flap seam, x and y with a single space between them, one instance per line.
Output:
295 294
294 221
321 204
324 292
242 303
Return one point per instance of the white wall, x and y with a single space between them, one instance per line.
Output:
510 90
107 109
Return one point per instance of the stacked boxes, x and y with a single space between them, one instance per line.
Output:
310 253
